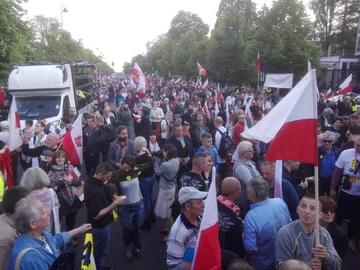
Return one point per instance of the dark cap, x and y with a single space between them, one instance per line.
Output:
177 116
354 115
185 123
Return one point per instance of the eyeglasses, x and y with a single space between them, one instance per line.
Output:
325 141
329 212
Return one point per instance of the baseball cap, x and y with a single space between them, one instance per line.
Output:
185 123
177 116
354 115
189 193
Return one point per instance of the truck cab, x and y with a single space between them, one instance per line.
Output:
50 89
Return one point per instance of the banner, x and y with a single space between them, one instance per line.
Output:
279 80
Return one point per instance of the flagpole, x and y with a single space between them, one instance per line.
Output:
316 168
258 85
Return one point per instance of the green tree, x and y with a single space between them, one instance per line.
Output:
160 53
185 22
16 36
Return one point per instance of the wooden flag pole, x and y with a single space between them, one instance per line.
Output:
317 206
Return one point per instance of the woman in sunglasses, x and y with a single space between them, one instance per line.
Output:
339 237
328 154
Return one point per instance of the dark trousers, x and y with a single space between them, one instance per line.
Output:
324 186
101 245
153 125
348 208
70 221
91 162
146 188
131 218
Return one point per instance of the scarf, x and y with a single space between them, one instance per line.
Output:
228 204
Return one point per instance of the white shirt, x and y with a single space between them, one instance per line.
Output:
218 137
33 144
156 115
347 162
230 100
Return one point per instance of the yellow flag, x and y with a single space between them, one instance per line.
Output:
88 260
2 189
115 216
80 93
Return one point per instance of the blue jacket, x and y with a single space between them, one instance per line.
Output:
214 152
41 258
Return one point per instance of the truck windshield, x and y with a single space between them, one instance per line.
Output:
32 107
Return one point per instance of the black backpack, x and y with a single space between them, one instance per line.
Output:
226 144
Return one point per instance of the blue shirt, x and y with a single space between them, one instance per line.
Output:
261 225
41 258
290 197
214 152
327 164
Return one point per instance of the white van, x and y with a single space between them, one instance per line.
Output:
49 90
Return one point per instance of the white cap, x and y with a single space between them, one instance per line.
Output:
189 193
4 124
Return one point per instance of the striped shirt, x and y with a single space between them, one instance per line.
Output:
183 235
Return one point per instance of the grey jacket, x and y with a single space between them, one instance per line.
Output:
115 153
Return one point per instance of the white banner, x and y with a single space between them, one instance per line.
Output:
357 48
279 80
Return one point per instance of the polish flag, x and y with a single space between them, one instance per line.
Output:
291 126
248 100
328 94
202 71
206 84
141 94
309 69
218 95
206 110
346 86
143 82
258 63
72 142
75 174
14 126
137 117
178 80
207 252
132 84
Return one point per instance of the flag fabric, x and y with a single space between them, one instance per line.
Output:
206 110
62 134
141 94
218 94
206 84
178 80
142 80
14 126
309 66
309 69
198 84
291 126
207 252
72 142
328 94
227 112
137 117
248 100
6 168
75 173
278 180
346 86
95 77
88 260
258 63
202 71
132 84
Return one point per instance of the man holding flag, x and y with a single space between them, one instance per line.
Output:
184 233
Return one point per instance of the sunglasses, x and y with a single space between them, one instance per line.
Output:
329 212
325 141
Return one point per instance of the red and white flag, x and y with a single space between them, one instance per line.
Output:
143 82
328 94
258 63
291 126
207 253
206 84
206 110
248 101
14 126
75 173
346 86
178 80
202 71
72 142
137 117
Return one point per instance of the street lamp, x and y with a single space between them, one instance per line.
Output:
62 9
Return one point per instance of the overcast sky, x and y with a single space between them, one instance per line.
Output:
120 29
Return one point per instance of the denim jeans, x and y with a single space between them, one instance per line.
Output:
131 219
101 245
146 188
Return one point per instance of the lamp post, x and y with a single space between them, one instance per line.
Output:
62 9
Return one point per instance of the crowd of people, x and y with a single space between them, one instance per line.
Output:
174 133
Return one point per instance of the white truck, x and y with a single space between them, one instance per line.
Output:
50 89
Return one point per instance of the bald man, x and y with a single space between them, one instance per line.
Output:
230 224
295 265
44 152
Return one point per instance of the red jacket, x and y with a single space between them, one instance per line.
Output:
238 129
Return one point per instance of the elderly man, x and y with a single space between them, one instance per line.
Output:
156 115
296 240
244 171
262 223
183 236
8 233
43 152
72 115
108 118
231 225
38 139
42 249
326 119
194 178
289 194
121 147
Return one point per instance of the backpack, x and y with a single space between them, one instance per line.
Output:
226 144
158 130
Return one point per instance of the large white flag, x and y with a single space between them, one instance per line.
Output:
14 126
72 142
